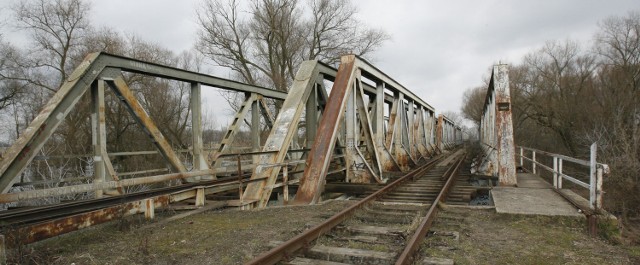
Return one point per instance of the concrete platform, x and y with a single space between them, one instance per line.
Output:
533 196
531 181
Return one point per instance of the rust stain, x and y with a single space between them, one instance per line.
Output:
49 229
313 177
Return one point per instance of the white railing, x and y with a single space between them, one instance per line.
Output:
596 171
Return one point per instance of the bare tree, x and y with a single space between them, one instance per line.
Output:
266 47
9 88
56 28
473 104
616 124
333 31
559 78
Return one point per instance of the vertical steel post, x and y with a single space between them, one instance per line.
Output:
378 119
411 130
560 173
555 172
533 163
521 157
199 162
439 132
599 188
351 134
592 176
504 141
255 126
311 115
98 133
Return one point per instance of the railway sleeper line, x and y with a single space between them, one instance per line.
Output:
386 227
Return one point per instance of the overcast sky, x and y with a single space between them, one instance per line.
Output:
438 48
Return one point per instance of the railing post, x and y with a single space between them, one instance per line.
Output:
560 173
521 157
533 164
592 176
555 172
599 188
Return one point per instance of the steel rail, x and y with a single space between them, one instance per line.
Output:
287 248
44 213
408 254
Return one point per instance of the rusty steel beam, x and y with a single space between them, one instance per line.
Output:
75 217
280 138
318 159
496 129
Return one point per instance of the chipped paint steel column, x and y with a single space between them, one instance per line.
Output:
199 162
281 135
312 182
496 129
504 127
98 133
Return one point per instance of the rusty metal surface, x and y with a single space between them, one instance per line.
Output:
408 254
281 135
496 129
317 162
35 224
440 132
61 226
504 123
304 239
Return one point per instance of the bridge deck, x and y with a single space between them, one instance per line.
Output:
533 196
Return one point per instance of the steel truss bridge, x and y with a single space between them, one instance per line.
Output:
362 126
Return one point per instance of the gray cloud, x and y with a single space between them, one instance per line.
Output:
439 48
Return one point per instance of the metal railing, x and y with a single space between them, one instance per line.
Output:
596 171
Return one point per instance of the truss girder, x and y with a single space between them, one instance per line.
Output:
95 69
399 148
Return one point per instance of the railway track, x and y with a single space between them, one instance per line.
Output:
32 224
26 216
386 227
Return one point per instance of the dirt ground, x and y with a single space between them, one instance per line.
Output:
234 237
486 237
